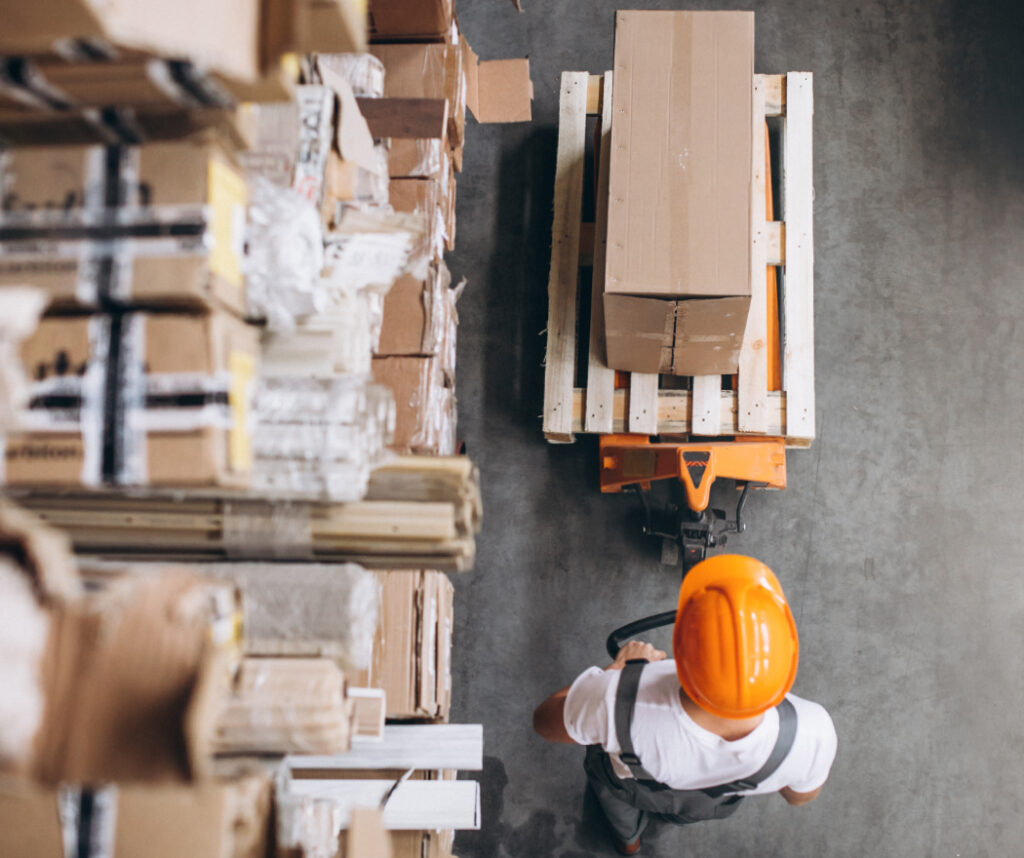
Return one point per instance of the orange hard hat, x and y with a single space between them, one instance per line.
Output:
734 640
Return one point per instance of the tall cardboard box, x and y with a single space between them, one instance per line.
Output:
137 399
679 222
157 225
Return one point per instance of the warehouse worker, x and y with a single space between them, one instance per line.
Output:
687 739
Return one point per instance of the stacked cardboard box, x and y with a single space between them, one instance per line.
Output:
109 707
122 71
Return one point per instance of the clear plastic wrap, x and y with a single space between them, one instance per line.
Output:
285 706
364 72
337 616
284 256
320 436
305 826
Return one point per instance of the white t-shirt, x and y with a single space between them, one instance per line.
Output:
683 755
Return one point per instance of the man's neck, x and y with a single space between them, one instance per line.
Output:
729 729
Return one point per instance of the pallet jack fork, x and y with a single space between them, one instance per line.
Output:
633 462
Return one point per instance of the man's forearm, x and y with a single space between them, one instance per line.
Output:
549 718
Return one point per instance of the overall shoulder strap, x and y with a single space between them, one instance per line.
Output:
783 744
625 703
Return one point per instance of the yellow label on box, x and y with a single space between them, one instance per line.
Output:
242 366
228 198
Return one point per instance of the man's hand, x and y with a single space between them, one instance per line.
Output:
634 650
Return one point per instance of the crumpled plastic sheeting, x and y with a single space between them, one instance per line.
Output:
285 255
364 72
320 436
336 616
24 627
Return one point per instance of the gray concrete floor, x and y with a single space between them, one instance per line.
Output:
899 538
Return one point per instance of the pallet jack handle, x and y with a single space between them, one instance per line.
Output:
618 638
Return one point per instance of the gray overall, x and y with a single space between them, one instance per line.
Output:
627 802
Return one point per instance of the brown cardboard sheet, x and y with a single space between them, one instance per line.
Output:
425 413
694 336
412 653
416 315
497 90
680 169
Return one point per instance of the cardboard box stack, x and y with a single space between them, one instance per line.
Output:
110 702
234 223
677 275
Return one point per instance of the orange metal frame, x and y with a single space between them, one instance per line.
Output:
637 460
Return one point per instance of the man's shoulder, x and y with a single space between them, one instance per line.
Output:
812 718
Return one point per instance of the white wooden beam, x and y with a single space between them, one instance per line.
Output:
600 379
414 805
798 277
753 371
643 403
560 361
707 410
404 746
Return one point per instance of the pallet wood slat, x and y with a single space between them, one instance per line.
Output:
774 87
707 410
643 403
674 410
560 362
798 279
600 379
753 370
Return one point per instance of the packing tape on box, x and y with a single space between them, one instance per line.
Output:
88 821
259 529
113 403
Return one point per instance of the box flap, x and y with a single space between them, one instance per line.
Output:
636 329
505 91
497 90
708 336
352 139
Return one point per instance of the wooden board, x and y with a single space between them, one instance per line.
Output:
643 403
560 360
405 117
600 379
707 411
414 805
753 370
674 411
798 279
404 746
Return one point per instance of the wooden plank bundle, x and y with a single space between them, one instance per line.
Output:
385 533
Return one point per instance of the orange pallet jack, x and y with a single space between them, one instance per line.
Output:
634 462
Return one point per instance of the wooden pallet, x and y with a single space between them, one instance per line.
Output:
705 409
